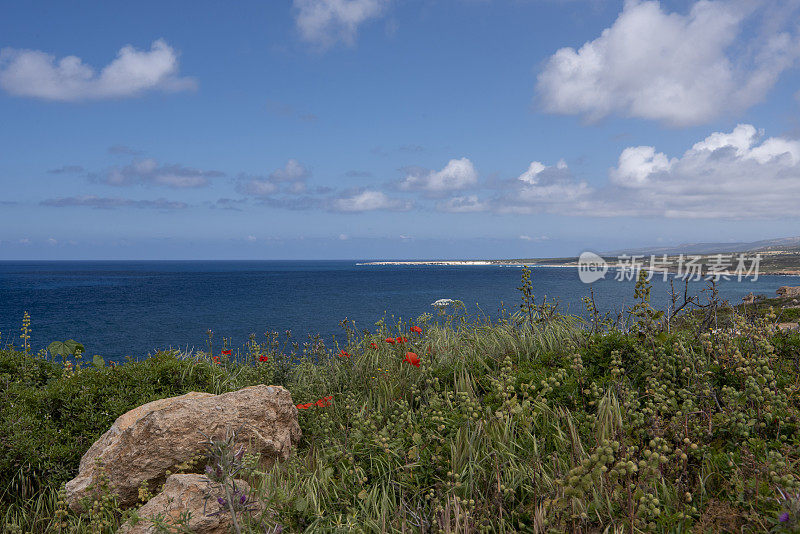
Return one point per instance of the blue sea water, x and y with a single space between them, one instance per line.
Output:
133 308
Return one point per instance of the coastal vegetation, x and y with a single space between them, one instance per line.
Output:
536 422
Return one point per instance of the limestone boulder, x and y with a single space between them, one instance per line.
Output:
193 496
146 442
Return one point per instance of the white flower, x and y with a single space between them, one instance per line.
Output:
442 303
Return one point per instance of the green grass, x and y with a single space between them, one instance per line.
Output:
505 427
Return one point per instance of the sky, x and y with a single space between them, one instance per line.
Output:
395 129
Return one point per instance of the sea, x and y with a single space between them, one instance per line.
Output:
131 309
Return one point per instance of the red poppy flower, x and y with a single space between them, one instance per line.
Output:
373 345
412 358
226 352
322 403
215 359
263 358
389 340
343 354
401 339
416 329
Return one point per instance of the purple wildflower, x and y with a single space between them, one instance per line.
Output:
784 517
243 499
221 501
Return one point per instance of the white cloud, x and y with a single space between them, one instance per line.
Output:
369 201
534 239
258 187
536 168
739 174
636 164
457 174
726 175
290 179
463 204
92 201
293 171
674 68
325 22
36 74
148 171
251 238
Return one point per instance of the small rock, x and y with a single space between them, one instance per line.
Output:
190 493
146 442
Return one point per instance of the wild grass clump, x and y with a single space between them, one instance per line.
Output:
530 424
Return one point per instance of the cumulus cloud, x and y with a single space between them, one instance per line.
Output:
536 168
326 22
91 201
740 174
369 201
37 74
457 174
539 189
636 164
290 179
544 189
148 171
737 174
674 68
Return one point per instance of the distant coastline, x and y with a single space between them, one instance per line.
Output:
506 263
780 263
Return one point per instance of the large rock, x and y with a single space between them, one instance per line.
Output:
146 442
788 291
193 494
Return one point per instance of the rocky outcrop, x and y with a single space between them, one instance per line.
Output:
146 442
199 497
788 291
749 299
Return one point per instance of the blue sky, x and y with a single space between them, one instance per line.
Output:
394 128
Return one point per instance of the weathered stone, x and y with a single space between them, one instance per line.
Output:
788 291
146 442
192 494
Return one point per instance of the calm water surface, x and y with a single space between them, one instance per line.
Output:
120 309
